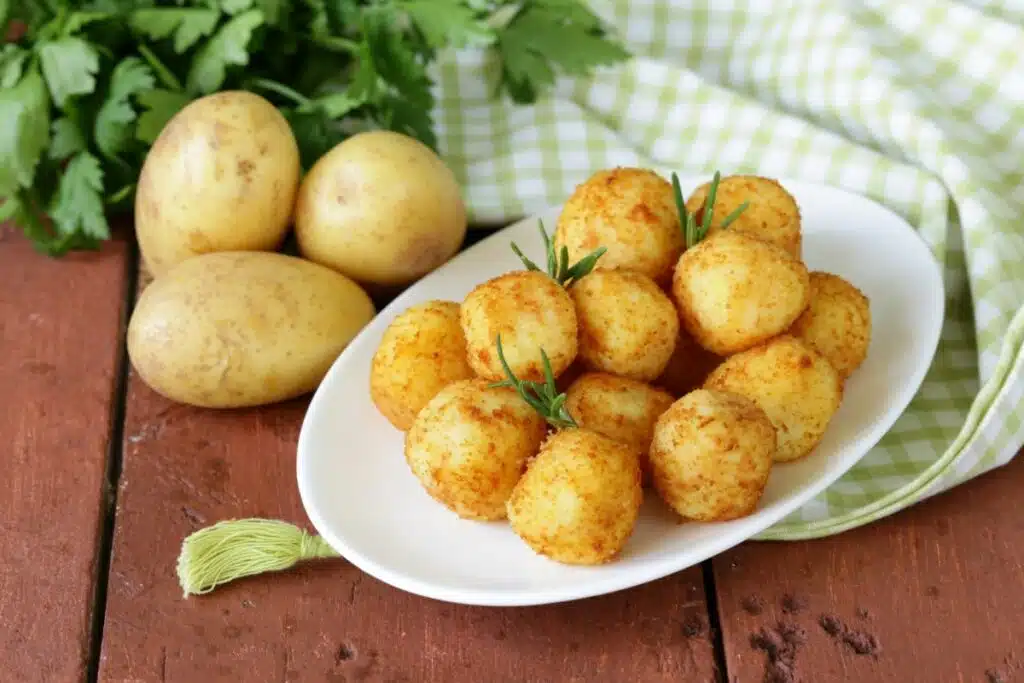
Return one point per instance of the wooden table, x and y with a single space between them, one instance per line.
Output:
103 479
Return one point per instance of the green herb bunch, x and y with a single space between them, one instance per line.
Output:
86 87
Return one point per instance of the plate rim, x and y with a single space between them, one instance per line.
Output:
648 573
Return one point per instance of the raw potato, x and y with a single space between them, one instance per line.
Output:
793 384
381 208
221 176
531 312
627 324
620 408
632 212
735 291
579 499
233 329
421 352
711 456
837 322
470 444
772 213
688 367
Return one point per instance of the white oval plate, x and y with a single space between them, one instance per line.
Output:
362 498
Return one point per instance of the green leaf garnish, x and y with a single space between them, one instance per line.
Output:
543 397
558 261
692 232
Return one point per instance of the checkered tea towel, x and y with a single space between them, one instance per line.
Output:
917 104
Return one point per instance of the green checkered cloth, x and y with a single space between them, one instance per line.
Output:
916 104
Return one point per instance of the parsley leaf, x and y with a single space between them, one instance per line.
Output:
77 208
113 129
79 20
547 34
405 102
336 105
10 206
12 64
27 213
160 106
273 10
448 22
226 48
187 24
315 134
319 23
235 6
25 112
69 65
65 139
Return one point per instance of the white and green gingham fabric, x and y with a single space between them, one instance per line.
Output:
918 104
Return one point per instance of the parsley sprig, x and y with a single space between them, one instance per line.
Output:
87 86
692 232
543 397
558 260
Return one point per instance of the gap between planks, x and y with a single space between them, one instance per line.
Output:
115 457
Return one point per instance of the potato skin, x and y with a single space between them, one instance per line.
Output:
421 352
233 329
627 324
837 322
734 291
530 311
771 215
711 455
688 367
470 444
792 383
632 212
621 409
221 176
381 208
579 499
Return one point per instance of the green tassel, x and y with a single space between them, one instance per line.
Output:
235 548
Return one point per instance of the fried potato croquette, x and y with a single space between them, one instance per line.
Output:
632 212
688 367
620 408
711 455
627 324
837 322
470 444
579 499
772 213
421 352
792 383
735 291
531 312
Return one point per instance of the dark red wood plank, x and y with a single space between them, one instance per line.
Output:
934 593
60 331
186 468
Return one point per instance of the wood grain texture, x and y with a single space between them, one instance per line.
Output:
60 326
186 468
933 594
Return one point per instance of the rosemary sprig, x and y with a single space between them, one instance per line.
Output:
692 232
558 261
542 396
